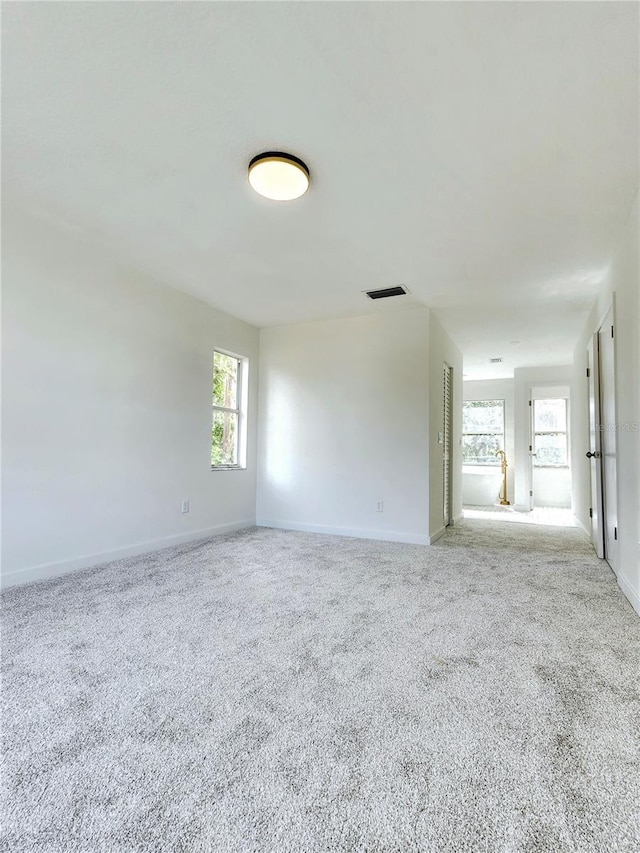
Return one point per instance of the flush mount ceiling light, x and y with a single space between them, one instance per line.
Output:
278 176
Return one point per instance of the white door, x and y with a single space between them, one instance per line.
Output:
446 444
593 453
607 377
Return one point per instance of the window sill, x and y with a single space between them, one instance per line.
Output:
553 467
482 464
228 467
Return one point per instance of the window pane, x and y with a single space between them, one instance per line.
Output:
224 438
550 415
484 416
482 431
481 449
225 381
551 450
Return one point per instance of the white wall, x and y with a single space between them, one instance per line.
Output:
107 408
441 350
524 380
623 283
498 389
344 415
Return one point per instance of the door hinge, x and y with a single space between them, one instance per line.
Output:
530 448
612 331
588 373
590 512
530 494
529 402
615 532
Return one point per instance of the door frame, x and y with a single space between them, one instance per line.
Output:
609 440
548 383
596 511
597 490
447 446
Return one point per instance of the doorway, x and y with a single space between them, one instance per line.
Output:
549 448
497 416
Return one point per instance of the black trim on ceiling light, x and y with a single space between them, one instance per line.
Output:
280 155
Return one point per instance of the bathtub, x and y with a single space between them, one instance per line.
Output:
481 485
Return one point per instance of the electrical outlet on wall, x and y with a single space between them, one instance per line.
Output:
185 506
380 506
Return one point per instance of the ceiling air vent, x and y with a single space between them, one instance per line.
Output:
386 292
495 361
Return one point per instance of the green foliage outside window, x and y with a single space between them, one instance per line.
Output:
224 429
550 433
482 431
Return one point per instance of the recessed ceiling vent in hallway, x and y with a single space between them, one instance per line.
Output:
387 292
495 361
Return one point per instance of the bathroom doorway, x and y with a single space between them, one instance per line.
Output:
497 417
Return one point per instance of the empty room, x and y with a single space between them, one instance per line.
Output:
320 427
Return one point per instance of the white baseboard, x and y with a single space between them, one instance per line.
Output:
437 535
457 519
355 533
630 593
582 527
62 567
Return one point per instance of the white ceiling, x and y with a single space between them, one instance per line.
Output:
484 155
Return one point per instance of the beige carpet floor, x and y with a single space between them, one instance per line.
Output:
279 691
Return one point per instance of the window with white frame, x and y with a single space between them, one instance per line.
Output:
550 440
227 428
482 431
